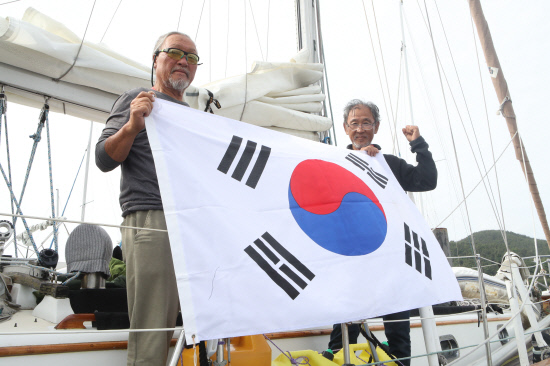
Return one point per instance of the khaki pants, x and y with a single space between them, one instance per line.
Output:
151 286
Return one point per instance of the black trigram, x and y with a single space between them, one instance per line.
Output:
244 161
410 249
276 272
381 180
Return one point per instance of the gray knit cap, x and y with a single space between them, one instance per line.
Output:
89 249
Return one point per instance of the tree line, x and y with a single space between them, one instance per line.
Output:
490 246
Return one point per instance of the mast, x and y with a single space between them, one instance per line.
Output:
506 108
308 30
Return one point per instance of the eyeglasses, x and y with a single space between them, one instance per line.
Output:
177 54
364 126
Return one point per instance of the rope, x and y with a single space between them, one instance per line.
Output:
199 24
110 21
70 279
14 200
51 181
256 29
36 137
294 361
179 18
9 2
79 48
501 108
3 110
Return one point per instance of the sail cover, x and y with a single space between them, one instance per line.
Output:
270 232
37 59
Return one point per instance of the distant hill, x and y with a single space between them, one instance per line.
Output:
490 245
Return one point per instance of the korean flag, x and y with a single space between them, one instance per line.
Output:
270 232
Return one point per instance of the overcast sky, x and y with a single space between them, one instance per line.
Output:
520 31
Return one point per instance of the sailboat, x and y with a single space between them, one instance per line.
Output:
65 104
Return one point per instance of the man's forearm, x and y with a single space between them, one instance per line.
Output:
118 145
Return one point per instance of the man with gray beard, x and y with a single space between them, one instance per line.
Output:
150 279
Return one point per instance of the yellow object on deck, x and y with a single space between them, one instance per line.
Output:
364 357
303 357
245 351
316 359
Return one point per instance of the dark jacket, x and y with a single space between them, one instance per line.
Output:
419 178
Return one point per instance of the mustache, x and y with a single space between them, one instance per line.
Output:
179 68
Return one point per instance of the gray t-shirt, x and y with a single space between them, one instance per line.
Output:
139 188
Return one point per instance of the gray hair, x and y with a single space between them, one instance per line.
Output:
162 38
357 103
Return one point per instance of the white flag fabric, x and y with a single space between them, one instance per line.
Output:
271 232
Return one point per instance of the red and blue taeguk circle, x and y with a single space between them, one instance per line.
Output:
336 209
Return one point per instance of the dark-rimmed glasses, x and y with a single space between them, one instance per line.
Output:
177 54
364 126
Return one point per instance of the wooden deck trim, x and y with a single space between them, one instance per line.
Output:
75 321
66 348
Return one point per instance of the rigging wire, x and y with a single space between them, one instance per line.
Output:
3 109
504 234
256 29
24 217
477 184
72 187
394 139
9 2
482 289
110 21
325 74
432 112
489 196
54 224
384 67
267 34
179 18
438 61
490 190
210 39
378 70
199 24
529 196
227 39
245 65
81 44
